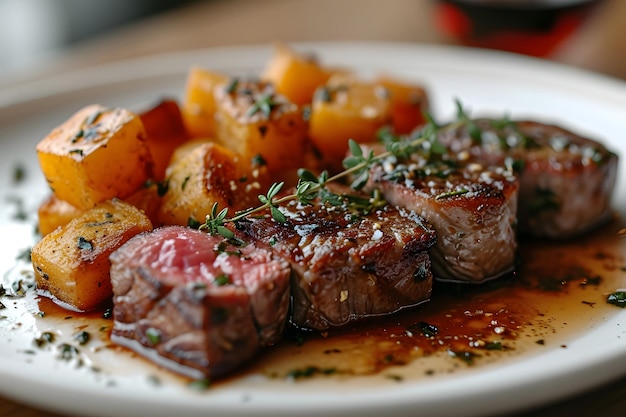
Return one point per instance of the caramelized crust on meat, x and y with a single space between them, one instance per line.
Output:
349 265
566 180
196 303
472 208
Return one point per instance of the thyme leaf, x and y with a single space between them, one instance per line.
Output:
263 103
357 165
618 298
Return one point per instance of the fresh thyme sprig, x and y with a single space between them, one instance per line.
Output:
309 188
357 165
473 130
263 103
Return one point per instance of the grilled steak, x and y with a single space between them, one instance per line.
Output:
471 207
347 263
182 297
566 181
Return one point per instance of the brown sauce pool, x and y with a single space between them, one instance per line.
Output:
559 291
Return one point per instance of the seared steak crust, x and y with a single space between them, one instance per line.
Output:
471 207
348 265
182 297
566 180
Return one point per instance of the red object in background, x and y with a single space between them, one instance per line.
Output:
531 28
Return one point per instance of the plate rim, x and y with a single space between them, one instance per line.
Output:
35 92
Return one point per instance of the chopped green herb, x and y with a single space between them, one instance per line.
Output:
421 273
263 103
44 339
545 200
198 286
514 165
232 85
99 224
310 371
322 94
108 313
200 384
25 255
184 184
84 244
18 289
153 335
77 135
82 337
154 380
67 352
19 174
497 345
93 117
20 211
464 355
222 279
426 329
451 194
258 161
76 151
618 298
193 223
162 186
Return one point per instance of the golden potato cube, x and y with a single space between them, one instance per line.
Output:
347 109
54 212
408 104
208 174
253 121
165 131
295 75
198 107
98 154
72 262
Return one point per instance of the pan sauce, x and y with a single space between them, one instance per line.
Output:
558 291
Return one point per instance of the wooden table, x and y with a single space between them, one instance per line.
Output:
598 47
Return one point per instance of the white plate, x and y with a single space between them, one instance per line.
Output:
483 80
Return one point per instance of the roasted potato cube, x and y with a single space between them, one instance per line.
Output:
198 108
295 75
165 131
208 173
98 154
347 109
408 104
253 121
54 213
72 262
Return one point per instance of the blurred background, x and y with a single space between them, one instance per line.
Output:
42 38
45 37
33 30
